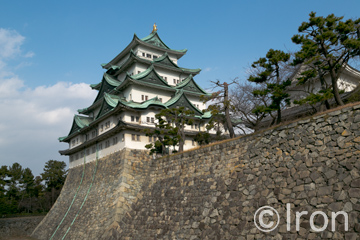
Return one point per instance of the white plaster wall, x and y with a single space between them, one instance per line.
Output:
142 49
137 91
101 153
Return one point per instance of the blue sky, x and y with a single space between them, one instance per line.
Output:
50 50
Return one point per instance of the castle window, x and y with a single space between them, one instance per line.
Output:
165 78
160 99
81 154
148 55
154 56
101 128
107 125
115 140
132 118
138 138
147 119
107 144
146 97
152 139
139 72
137 119
87 152
76 156
195 126
133 137
71 158
93 149
100 146
178 81
123 137
193 142
143 54
142 97
174 81
152 120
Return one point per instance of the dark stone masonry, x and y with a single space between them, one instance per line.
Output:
213 192
17 228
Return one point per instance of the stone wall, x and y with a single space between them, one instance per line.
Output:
213 192
18 227
107 190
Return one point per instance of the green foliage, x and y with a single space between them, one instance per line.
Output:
327 44
169 130
203 138
314 98
271 73
21 193
54 174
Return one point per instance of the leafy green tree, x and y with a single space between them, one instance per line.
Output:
328 43
27 183
3 176
203 138
307 78
170 129
271 72
164 134
54 176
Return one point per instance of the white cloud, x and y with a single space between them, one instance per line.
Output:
10 43
32 119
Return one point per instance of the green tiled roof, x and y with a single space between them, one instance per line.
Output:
181 100
150 76
155 40
108 83
190 85
79 122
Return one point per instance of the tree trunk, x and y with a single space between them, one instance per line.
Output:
278 119
227 110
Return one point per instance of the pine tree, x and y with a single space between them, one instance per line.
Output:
271 72
328 43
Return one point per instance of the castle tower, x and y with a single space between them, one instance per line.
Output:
140 81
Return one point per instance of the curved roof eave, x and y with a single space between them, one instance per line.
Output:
136 41
79 122
154 36
188 81
177 98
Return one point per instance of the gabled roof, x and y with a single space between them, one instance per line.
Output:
180 100
189 85
108 83
79 122
152 41
155 40
109 103
165 60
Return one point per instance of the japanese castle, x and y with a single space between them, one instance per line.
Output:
140 81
